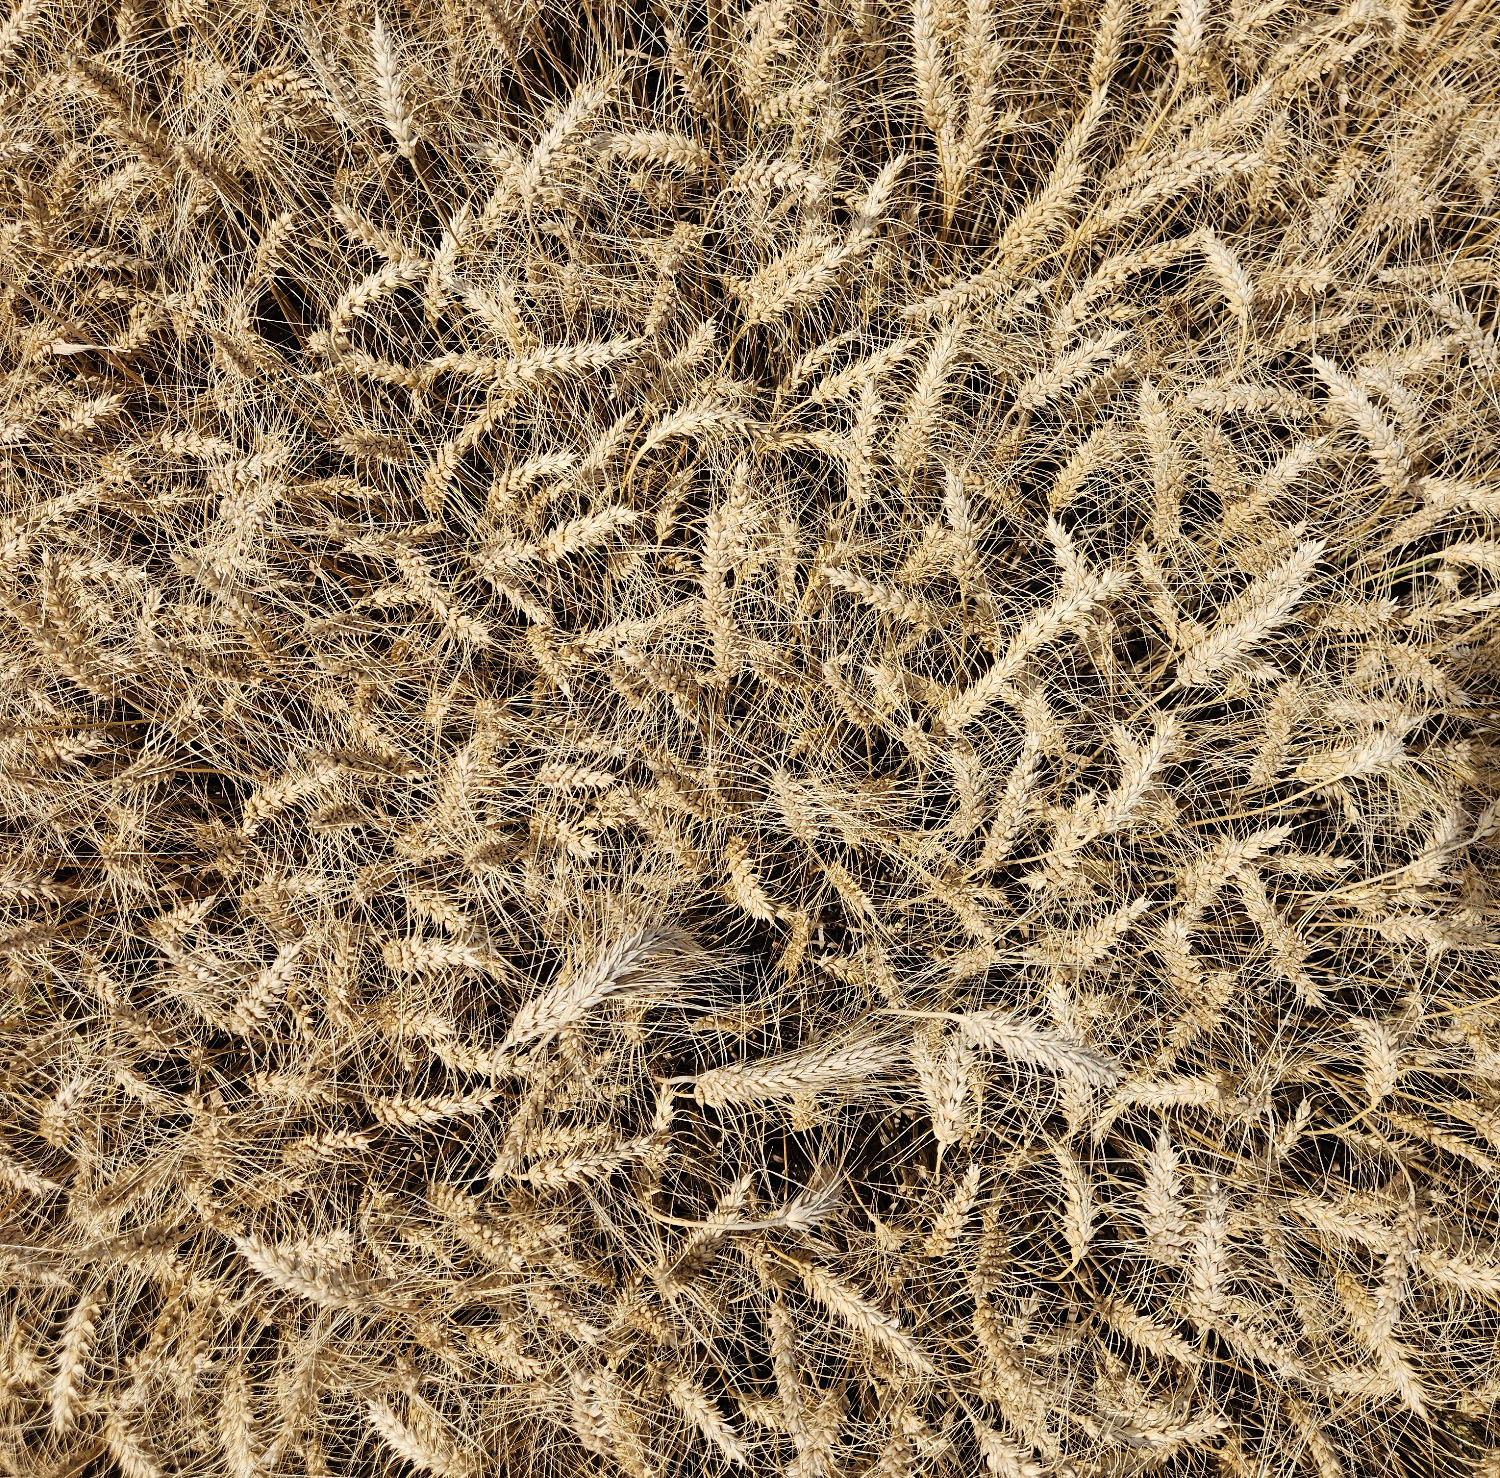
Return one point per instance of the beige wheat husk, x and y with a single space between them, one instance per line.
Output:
752 739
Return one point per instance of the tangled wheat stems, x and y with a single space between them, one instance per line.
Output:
759 739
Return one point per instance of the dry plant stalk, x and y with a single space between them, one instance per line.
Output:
760 739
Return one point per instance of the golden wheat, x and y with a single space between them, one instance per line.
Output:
760 738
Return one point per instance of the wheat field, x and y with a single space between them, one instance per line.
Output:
761 740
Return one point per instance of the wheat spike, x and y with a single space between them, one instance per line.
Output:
864 1319
854 1065
1264 606
1078 1205
641 960
423 1455
73 1353
705 1415
129 1449
289 1272
393 107
1387 449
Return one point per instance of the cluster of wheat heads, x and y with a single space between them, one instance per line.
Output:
758 739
